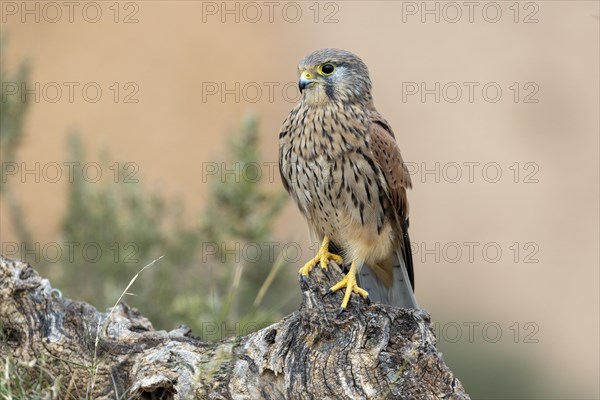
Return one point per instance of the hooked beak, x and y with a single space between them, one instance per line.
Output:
306 79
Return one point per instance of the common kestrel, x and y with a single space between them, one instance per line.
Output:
339 161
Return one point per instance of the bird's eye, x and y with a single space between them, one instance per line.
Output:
326 69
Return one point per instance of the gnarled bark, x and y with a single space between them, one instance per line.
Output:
371 351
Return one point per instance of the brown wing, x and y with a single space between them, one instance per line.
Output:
386 155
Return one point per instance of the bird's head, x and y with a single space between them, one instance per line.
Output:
331 75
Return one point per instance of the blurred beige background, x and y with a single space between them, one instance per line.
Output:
544 297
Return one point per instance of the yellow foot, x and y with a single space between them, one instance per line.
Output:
349 282
323 256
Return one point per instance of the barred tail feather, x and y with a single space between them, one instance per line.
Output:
398 294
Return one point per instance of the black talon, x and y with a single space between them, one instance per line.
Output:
329 293
368 300
340 312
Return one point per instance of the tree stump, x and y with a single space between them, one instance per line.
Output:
370 351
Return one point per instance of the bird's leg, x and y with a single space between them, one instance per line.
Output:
349 282
323 256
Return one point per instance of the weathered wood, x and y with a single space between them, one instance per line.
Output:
371 351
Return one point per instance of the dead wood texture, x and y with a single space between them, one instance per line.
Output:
371 351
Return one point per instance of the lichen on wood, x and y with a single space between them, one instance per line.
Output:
370 351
